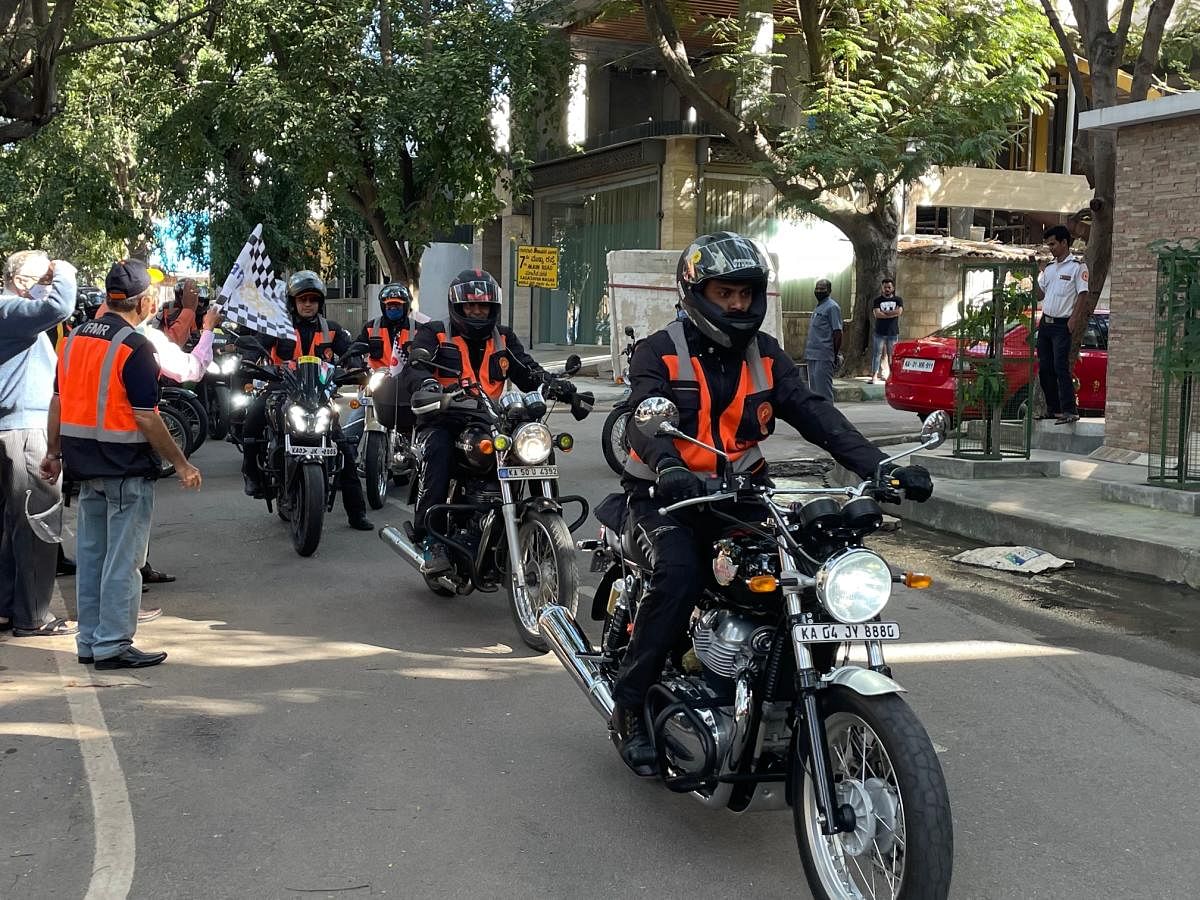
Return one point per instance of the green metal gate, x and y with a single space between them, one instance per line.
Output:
994 359
1175 412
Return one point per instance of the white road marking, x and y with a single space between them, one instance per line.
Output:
112 816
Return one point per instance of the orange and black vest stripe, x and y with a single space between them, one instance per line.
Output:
493 369
323 335
92 398
376 329
737 429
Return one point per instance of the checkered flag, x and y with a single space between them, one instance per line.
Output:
252 295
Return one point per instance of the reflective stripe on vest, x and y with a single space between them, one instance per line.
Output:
71 410
323 331
496 344
753 380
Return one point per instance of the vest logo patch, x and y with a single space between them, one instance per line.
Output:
765 414
503 363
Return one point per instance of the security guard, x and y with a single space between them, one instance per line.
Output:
314 336
485 352
730 382
392 328
1064 287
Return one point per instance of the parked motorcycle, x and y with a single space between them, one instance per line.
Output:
764 709
301 460
613 442
503 521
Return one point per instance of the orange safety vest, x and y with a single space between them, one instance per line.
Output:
92 399
740 427
374 329
493 369
323 335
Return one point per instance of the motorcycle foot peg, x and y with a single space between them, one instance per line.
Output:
587 546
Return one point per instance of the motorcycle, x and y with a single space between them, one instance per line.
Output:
503 521
386 448
613 442
216 390
301 461
764 709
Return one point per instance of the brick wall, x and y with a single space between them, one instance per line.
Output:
1158 189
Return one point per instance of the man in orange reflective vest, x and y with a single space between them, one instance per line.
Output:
391 330
730 381
105 432
315 336
485 352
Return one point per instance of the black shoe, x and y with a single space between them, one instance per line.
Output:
437 560
151 575
253 486
131 658
361 523
86 660
629 734
65 566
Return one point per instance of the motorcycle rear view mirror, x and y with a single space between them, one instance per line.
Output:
424 356
573 365
629 331
934 429
376 345
656 415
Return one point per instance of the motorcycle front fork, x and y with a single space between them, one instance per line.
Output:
508 510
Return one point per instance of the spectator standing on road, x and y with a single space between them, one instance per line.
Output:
1063 284
37 295
888 307
823 349
104 431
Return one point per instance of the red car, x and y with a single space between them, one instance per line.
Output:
922 378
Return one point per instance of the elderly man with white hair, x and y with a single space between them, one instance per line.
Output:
38 294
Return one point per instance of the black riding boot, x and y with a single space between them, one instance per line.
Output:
353 499
633 741
252 469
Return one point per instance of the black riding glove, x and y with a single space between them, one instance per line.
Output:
560 389
432 385
913 480
676 482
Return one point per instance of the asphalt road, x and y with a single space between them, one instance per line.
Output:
327 727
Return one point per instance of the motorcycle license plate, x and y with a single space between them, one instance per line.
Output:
526 473
839 633
311 451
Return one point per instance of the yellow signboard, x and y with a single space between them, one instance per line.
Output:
537 267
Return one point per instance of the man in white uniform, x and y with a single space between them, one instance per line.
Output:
1064 287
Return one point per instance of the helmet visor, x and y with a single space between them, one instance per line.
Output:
475 292
732 257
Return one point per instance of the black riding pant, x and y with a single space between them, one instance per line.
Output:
253 433
435 444
680 551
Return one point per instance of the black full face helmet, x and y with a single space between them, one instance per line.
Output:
474 286
729 257
391 293
305 282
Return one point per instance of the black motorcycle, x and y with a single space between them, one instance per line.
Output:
761 708
503 521
217 391
302 461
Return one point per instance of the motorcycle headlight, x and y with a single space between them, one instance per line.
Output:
532 443
240 400
300 417
324 417
376 380
213 368
854 586
229 364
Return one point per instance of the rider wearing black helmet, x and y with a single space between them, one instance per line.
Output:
484 351
730 381
314 336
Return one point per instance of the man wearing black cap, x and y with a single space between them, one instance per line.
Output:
105 432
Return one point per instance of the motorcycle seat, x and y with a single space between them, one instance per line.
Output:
632 547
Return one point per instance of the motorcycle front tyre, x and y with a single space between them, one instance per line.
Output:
546 546
307 508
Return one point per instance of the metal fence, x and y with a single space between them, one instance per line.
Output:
1175 412
993 366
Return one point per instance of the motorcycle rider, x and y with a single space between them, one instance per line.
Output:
314 336
730 381
485 352
392 327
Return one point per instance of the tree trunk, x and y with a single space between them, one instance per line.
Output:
873 237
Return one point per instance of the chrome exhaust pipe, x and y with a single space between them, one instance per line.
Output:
392 536
572 648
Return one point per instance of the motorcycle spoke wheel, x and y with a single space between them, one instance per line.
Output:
886 771
551 574
613 440
376 472
179 434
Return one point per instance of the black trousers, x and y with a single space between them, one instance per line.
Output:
680 549
1054 367
354 501
436 446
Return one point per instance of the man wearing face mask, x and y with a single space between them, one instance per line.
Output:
106 434
37 295
314 336
730 382
823 349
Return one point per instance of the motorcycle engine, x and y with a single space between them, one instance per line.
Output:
726 643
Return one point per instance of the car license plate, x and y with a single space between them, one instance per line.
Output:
839 633
527 473
918 365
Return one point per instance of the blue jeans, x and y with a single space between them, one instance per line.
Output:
878 343
113 531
